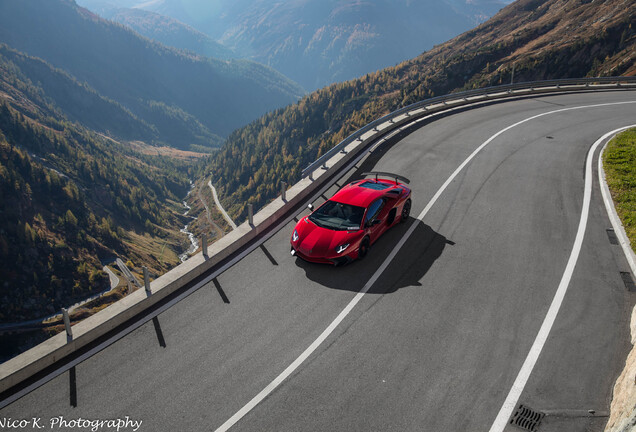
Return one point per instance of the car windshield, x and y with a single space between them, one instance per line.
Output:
338 216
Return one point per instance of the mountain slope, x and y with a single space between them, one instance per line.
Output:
318 42
58 93
169 32
166 88
543 39
69 200
71 197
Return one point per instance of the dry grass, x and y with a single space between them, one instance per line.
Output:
146 149
619 162
159 253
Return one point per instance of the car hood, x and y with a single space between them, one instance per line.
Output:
315 240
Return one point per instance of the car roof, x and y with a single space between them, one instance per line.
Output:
361 193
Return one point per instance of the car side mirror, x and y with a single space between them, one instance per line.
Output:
310 207
371 223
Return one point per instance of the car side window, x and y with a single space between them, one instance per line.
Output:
374 209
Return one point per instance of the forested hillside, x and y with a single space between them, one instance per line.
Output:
188 101
70 199
544 39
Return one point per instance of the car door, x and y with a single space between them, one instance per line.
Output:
373 219
390 207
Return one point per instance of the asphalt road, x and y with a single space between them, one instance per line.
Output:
437 341
112 277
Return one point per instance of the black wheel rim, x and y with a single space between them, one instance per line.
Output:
406 210
364 248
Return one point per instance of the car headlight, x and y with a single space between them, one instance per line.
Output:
295 235
340 249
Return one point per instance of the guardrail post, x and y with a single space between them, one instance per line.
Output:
283 191
146 279
204 246
250 214
67 324
512 78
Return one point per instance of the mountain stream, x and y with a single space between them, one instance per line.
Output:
194 244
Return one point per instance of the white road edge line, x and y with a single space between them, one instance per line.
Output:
524 374
611 210
334 324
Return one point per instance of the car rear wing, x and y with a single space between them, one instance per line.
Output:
386 174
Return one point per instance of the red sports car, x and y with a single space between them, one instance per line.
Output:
344 227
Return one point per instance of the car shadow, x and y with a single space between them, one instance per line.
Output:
408 267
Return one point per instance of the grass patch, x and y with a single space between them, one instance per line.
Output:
619 162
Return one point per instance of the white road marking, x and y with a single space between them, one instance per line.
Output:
528 365
323 336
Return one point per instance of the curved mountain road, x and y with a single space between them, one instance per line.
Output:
220 206
436 342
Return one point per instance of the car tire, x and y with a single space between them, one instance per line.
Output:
364 248
406 211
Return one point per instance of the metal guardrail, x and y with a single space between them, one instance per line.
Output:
462 98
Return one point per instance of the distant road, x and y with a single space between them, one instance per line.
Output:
220 207
40 322
114 280
207 213
127 274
